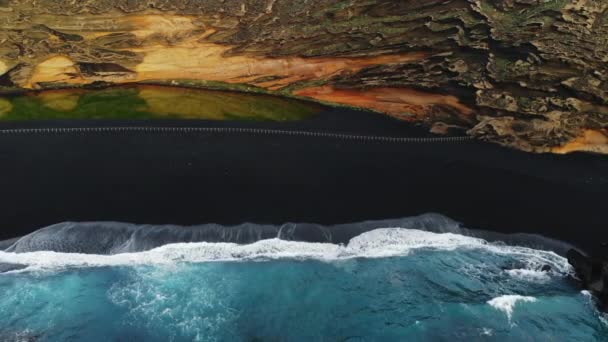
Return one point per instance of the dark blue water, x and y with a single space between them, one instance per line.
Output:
387 284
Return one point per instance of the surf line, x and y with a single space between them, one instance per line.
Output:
234 130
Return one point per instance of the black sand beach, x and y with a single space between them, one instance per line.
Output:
229 177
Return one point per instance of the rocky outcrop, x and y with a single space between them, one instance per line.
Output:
592 273
528 74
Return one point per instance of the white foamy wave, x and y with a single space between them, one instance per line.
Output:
603 317
384 242
534 259
487 332
394 241
507 303
529 275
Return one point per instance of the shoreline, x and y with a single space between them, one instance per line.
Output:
122 237
590 141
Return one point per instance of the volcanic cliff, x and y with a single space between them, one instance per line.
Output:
530 74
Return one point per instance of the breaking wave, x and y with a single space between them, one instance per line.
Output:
507 303
424 278
114 237
377 243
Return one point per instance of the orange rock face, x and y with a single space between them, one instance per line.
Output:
402 103
589 141
185 52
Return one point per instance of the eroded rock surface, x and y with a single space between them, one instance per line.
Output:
528 74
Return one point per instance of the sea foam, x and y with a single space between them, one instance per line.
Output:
507 303
531 275
378 243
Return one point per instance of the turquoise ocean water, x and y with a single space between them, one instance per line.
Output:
386 284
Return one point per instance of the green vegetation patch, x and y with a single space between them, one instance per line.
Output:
151 102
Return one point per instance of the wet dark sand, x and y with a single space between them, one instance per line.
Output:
230 178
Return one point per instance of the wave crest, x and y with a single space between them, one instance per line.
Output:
108 238
384 242
115 237
507 303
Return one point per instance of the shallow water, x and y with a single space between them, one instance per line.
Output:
385 284
152 102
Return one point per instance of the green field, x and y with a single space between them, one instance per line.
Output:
151 102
